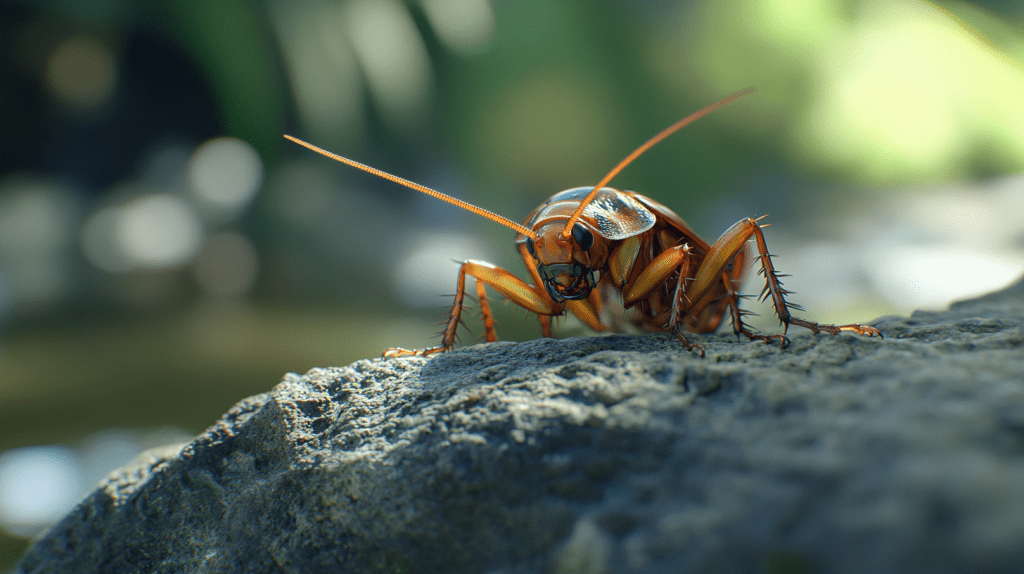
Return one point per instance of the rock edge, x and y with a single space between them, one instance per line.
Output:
612 454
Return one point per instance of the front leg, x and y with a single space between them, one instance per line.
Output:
485 313
513 288
727 247
531 268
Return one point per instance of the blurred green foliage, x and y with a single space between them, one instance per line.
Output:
500 103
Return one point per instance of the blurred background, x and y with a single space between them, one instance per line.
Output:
164 252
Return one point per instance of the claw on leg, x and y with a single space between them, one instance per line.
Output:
677 301
508 285
738 326
400 352
836 329
773 287
767 339
689 346
731 245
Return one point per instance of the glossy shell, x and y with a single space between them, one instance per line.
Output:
613 214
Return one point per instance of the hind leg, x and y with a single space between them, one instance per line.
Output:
729 246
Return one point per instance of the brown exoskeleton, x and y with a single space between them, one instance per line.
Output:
584 244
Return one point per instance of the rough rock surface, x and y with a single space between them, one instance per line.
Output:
615 454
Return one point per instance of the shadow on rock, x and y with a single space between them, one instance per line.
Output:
613 454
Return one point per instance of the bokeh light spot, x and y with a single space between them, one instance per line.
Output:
932 276
152 232
431 267
98 243
81 72
38 486
158 231
225 174
324 73
37 220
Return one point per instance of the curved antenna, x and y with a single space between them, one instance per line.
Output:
648 145
413 185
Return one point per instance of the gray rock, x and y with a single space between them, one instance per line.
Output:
591 455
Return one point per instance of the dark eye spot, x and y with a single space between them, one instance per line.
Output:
529 245
584 238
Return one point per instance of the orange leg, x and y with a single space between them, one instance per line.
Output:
545 326
545 320
485 312
655 274
588 310
738 326
585 311
674 323
513 288
677 259
726 248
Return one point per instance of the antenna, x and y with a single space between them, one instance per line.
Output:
648 145
413 185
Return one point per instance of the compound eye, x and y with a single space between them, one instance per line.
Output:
529 245
584 238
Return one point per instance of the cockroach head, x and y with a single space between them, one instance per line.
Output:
563 263
567 281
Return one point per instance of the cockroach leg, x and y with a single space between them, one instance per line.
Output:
485 311
778 293
658 271
586 312
638 248
674 322
677 260
545 326
738 326
678 332
454 318
718 257
836 329
510 286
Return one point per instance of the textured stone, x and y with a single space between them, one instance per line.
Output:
613 454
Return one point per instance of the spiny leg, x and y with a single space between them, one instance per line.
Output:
510 286
732 279
585 311
728 245
738 326
676 259
454 318
674 324
774 286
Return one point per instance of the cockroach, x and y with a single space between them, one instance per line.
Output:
584 245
